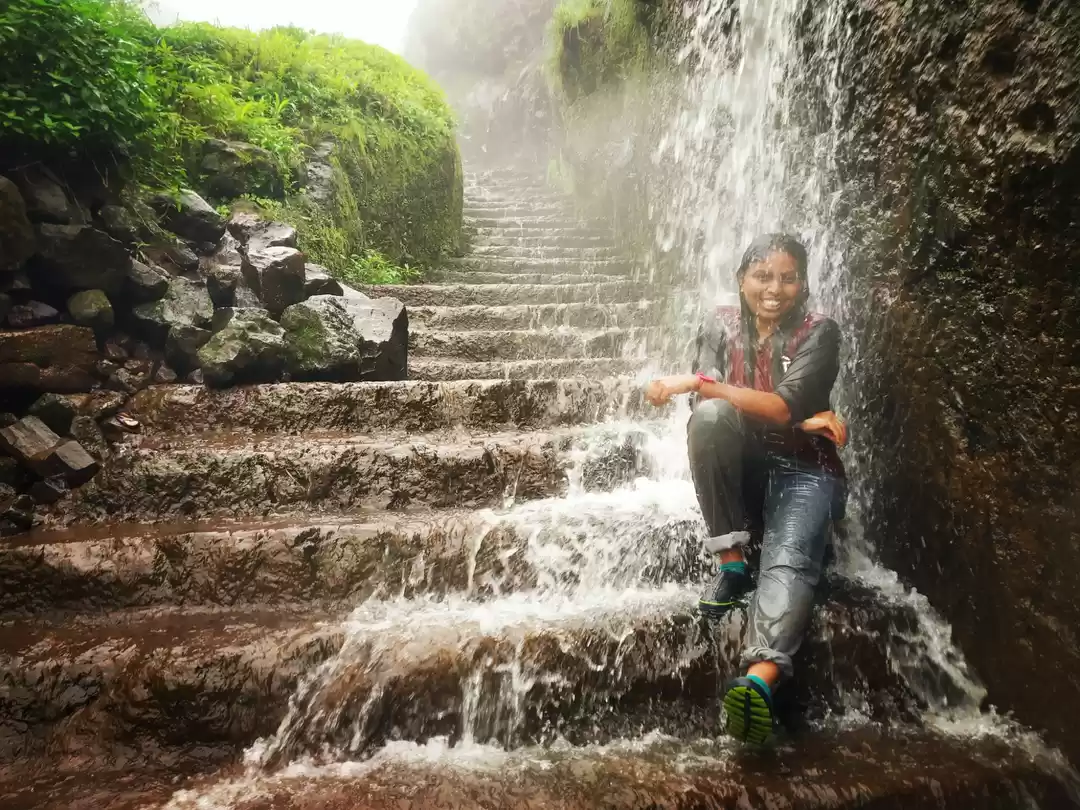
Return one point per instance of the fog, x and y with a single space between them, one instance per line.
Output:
381 22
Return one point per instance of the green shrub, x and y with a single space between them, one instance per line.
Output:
596 42
108 78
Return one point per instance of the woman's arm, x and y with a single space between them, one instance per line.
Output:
769 408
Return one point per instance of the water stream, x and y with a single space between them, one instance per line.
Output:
594 600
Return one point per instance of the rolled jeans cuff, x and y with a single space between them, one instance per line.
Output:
727 541
760 655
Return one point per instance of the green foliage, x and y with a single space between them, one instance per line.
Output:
374 268
596 43
90 74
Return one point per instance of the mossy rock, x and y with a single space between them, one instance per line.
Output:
91 308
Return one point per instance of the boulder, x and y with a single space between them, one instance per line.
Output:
189 216
16 232
119 223
59 411
245 297
46 200
163 374
242 224
185 303
16 516
145 282
317 281
31 314
11 473
28 439
271 235
249 346
276 274
17 285
129 381
182 346
224 271
57 359
78 257
91 308
87 432
235 168
335 338
49 490
68 460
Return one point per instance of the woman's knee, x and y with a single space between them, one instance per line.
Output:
714 422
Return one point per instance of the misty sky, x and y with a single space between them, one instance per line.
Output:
378 21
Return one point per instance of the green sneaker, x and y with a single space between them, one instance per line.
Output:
748 708
726 591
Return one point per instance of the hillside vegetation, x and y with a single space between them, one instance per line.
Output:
97 78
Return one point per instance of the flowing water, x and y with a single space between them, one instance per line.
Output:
547 653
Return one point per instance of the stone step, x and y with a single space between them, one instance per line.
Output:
489 345
553 240
446 370
544 265
898 768
542 316
523 252
495 295
586 667
413 407
205 476
515 231
525 222
500 210
524 277
649 537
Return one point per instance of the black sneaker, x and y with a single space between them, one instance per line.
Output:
726 591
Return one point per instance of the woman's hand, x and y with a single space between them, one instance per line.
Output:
826 424
660 391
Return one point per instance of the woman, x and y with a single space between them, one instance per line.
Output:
762 445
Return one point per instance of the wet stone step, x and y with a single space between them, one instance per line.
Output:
505 264
347 559
516 670
515 231
883 769
506 294
545 223
446 370
555 276
543 316
487 346
413 407
504 211
554 239
230 475
546 252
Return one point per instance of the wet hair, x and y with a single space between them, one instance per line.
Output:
759 251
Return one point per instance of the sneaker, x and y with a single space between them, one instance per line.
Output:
748 711
726 590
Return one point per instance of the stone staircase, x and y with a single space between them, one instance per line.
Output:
468 586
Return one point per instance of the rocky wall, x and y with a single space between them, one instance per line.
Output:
961 207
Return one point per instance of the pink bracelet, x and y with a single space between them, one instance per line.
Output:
704 378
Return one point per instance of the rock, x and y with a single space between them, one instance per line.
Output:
46 200
10 472
319 174
5 307
105 368
132 377
16 232
7 419
68 460
17 285
242 224
334 338
276 275
349 292
86 431
189 216
57 411
145 282
49 491
182 346
245 298
28 439
114 350
271 235
196 377
249 347
119 223
59 359
235 168
15 516
317 281
164 375
78 257
31 314
139 350
185 303
91 308
224 271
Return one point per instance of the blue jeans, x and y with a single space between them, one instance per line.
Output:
740 484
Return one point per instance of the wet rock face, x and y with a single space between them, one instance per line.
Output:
965 159
78 257
190 217
16 232
58 359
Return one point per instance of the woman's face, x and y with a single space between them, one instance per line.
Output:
772 287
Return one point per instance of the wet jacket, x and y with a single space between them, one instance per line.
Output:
799 363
